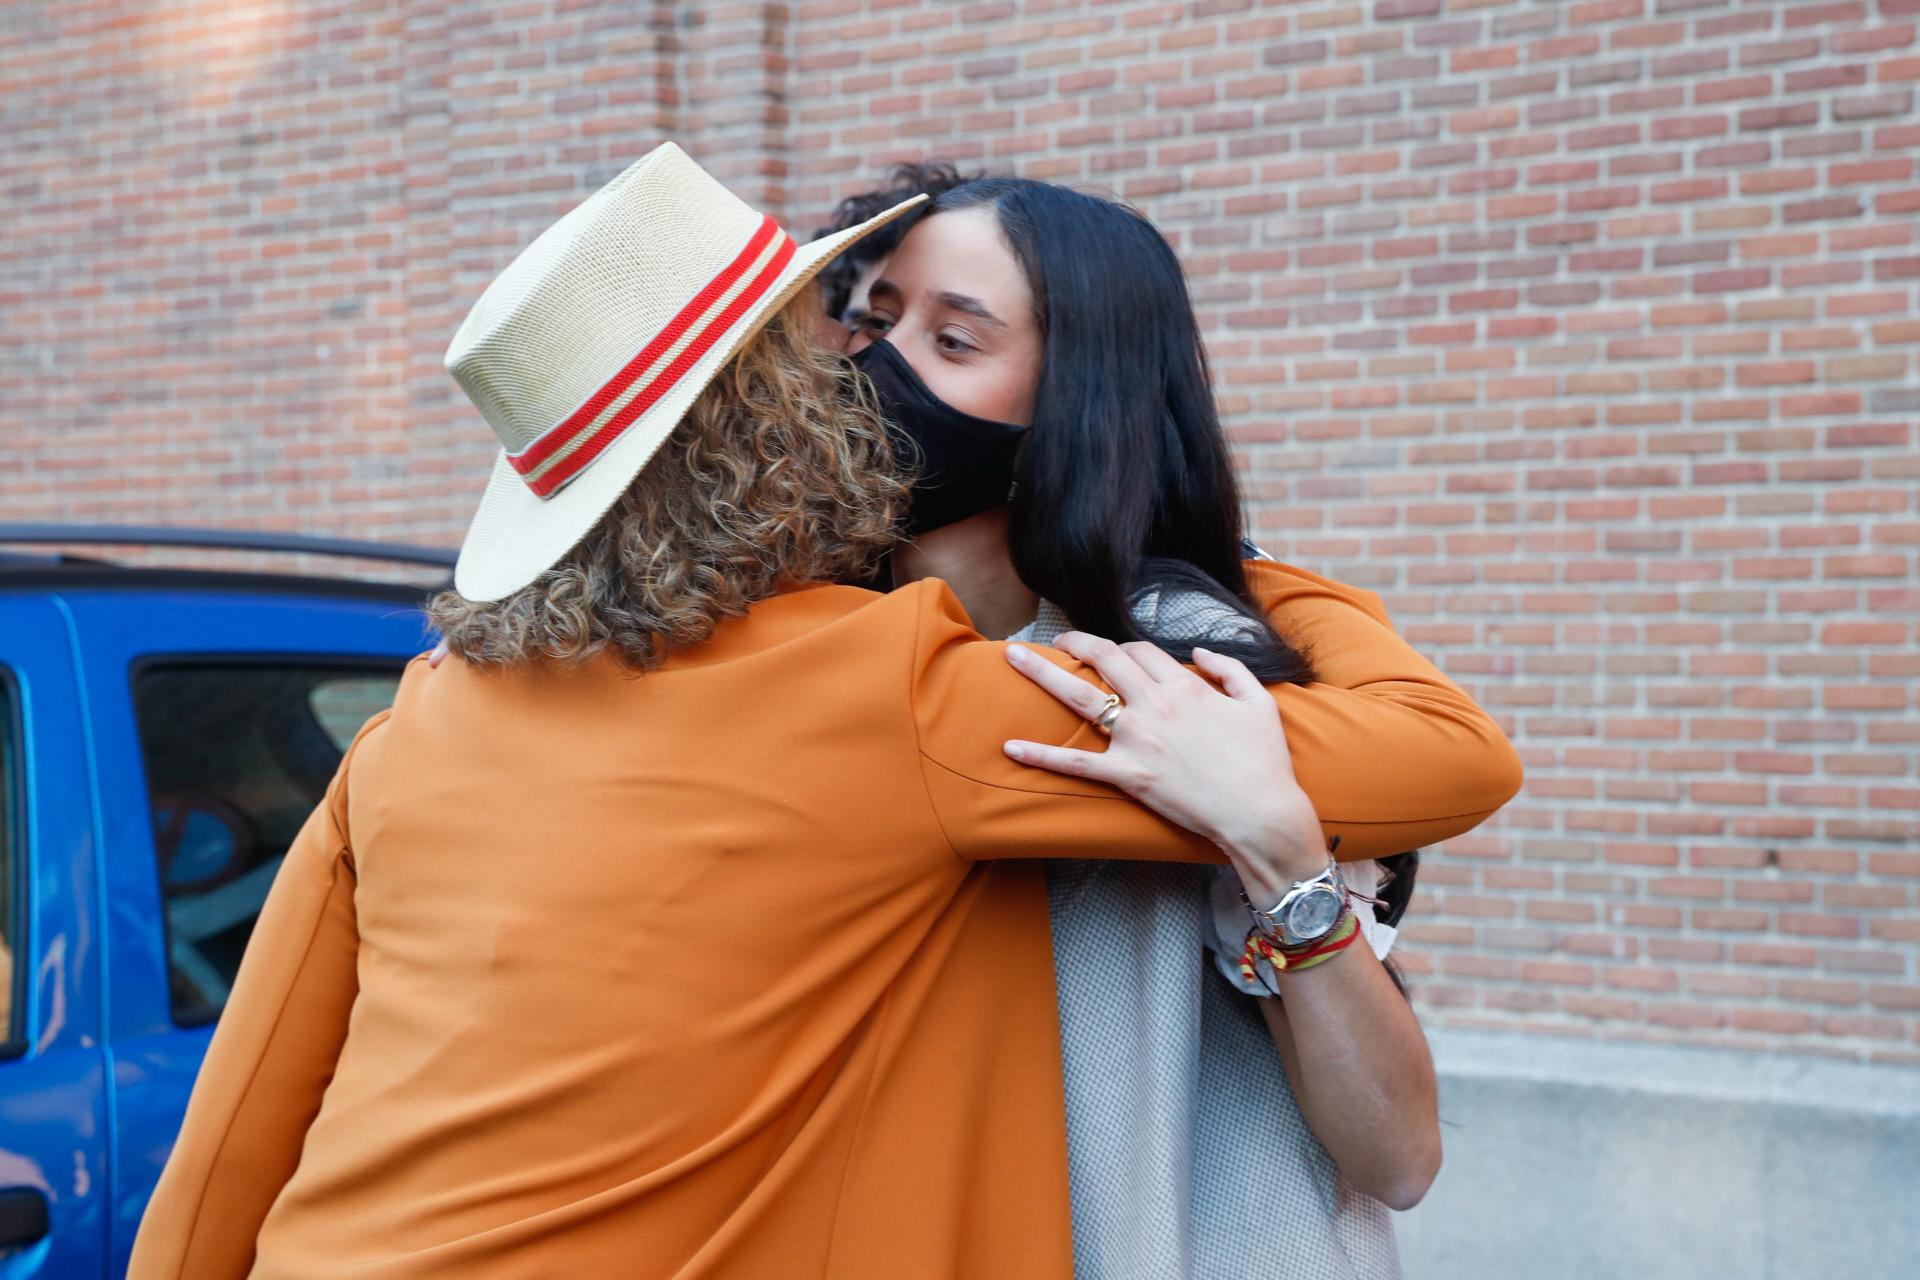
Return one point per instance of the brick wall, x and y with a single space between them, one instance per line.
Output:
1586 333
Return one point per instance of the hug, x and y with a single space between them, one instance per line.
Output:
876 815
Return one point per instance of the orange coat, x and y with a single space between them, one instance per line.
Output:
726 970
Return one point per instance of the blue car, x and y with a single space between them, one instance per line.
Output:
163 735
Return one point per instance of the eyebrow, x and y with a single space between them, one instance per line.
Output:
964 303
972 306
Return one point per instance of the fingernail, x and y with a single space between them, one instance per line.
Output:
1016 654
1015 750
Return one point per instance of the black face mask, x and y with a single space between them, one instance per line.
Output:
965 463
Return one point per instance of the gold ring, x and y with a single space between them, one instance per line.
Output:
1109 712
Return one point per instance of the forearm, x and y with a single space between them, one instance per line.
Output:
1380 712
1378 709
1362 1073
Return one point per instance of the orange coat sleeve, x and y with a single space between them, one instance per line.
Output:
1392 753
269 1063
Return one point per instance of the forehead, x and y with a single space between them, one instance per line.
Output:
962 251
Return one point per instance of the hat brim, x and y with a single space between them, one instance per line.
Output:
516 535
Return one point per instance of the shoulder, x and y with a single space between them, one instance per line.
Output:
930 609
416 679
418 668
365 744
921 597
906 619
905 609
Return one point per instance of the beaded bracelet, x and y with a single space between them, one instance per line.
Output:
1260 947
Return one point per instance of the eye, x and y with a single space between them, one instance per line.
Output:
875 325
953 344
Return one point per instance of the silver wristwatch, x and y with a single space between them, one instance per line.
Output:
1308 912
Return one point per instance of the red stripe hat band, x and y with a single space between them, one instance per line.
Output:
578 429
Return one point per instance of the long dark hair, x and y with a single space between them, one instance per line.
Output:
1126 482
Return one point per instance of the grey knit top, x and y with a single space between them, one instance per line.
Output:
1187 1153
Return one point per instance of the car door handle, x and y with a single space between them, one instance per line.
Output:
23 1217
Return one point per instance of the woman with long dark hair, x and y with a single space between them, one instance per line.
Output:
1039 346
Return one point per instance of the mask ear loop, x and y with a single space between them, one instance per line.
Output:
1019 461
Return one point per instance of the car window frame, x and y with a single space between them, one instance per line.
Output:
275 659
13 1036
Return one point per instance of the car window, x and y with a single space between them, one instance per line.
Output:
12 867
237 756
343 704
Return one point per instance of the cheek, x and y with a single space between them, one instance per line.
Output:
1023 390
988 388
828 334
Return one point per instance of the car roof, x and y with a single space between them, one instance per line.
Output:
35 574
38 571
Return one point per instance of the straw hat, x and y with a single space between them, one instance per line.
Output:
593 343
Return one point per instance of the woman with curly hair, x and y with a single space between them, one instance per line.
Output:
664 929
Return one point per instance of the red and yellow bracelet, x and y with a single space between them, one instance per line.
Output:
1261 947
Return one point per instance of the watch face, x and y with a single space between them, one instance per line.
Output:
1312 914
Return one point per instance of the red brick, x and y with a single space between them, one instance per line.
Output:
1626 441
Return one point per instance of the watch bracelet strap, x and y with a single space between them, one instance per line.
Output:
1265 922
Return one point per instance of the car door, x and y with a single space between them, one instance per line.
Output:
218 722
54 1191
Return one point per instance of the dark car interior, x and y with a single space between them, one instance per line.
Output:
237 755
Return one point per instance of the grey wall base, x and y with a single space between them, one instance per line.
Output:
1570 1158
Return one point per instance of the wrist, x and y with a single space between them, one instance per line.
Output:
1273 855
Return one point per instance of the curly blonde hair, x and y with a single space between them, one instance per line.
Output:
781 470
